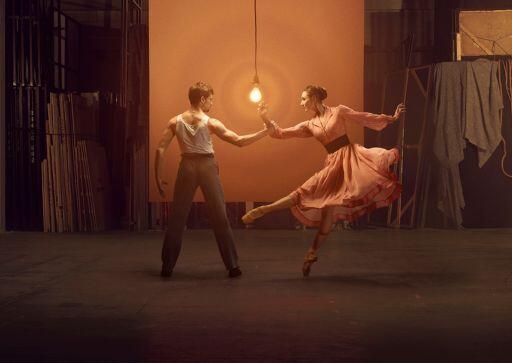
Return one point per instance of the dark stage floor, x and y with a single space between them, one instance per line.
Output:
374 296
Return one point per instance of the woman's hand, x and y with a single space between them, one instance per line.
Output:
270 126
399 110
263 111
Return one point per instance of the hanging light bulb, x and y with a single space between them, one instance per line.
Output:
255 95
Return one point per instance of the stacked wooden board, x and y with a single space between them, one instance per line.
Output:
75 180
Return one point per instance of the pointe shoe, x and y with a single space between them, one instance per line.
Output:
252 215
309 260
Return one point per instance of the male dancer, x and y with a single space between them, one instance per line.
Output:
193 129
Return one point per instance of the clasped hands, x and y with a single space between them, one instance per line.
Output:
263 112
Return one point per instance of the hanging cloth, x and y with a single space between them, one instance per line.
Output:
484 105
448 145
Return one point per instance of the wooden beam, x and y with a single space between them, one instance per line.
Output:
418 81
475 40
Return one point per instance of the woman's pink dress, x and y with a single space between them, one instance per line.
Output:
354 180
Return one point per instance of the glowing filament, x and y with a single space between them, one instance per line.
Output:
255 94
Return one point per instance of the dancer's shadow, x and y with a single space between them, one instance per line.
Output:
387 280
187 275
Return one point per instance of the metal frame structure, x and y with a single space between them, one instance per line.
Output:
130 14
136 149
404 204
38 40
64 72
26 97
2 116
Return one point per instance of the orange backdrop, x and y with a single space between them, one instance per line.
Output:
300 42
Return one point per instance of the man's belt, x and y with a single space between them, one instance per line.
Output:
196 155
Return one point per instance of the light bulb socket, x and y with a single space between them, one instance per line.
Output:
256 80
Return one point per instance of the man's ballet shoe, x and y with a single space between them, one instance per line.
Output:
309 260
166 271
252 215
235 272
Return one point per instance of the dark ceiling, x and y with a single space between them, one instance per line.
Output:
98 12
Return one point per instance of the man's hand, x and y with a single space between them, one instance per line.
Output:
161 187
269 126
399 110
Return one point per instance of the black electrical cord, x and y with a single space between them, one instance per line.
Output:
255 41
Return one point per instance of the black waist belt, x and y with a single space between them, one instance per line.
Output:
196 155
337 144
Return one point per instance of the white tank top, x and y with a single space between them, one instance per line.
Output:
194 138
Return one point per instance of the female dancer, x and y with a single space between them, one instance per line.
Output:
353 181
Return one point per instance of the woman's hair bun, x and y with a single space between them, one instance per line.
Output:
318 91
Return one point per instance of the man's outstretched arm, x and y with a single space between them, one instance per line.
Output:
159 156
232 137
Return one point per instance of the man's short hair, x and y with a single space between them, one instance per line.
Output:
198 90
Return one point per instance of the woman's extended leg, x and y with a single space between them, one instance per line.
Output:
283 203
323 231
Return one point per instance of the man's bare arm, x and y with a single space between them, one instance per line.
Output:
232 137
159 156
